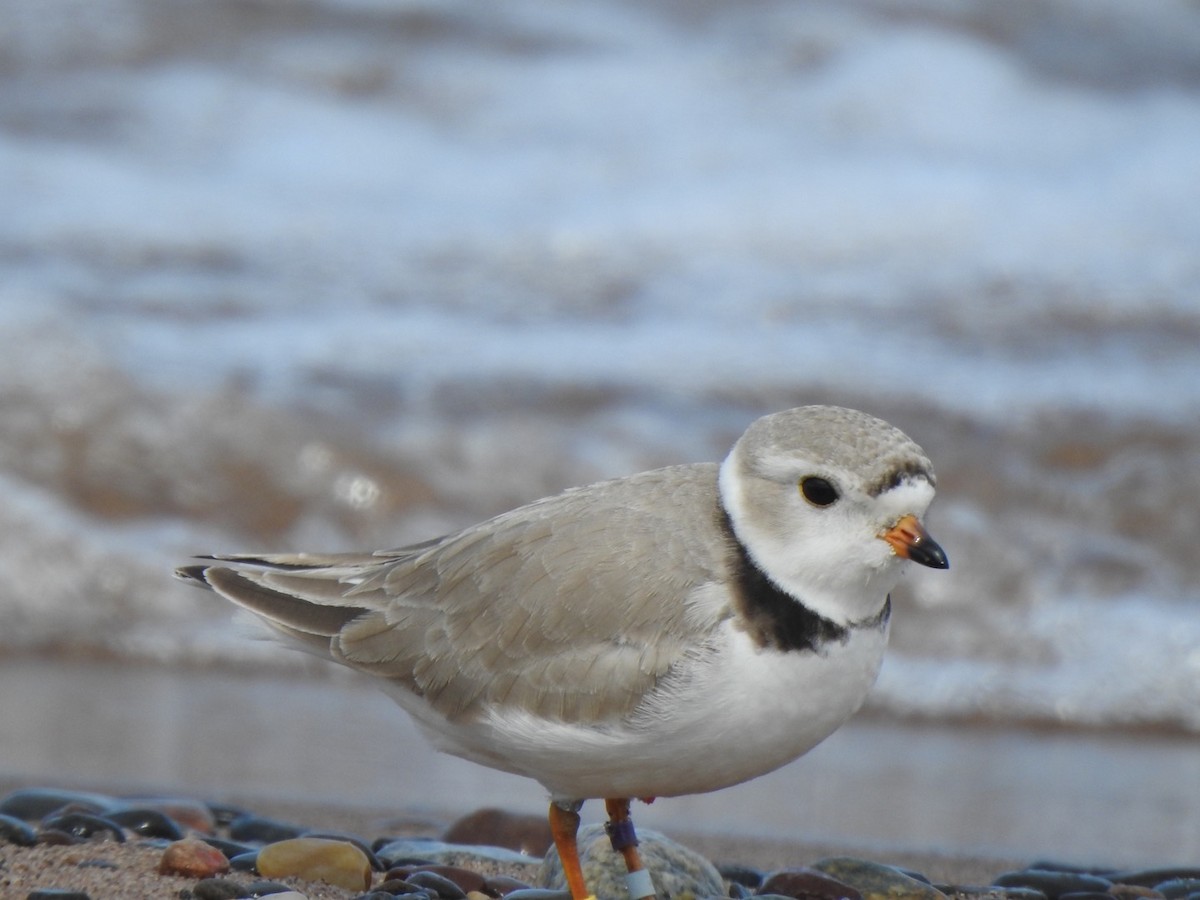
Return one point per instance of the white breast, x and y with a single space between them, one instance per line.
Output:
734 712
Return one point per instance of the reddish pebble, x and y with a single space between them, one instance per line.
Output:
807 884
522 832
192 859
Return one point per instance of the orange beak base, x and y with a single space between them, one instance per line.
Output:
910 540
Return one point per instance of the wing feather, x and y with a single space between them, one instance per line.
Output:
573 607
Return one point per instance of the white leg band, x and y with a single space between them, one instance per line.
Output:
639 884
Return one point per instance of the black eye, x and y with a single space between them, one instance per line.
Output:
818 491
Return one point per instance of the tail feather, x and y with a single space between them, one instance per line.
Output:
279 605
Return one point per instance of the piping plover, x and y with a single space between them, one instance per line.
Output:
672 632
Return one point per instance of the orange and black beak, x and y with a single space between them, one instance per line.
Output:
910 540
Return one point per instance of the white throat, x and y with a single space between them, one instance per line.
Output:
833 564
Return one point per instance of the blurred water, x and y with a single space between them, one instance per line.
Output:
342 273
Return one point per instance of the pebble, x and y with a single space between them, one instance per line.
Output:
244 862
1178 888
485 860
1152 878
1054 883
500 885
875 881
1134 892
807 884
229 848
396 886
466 880
736 873
52 838
539 894
187 814
316 859
32 804
525 833
439 884
1055 865
147 822
352 839
84 825
57 894
192 858
674 869
261 830
219 889
265 888
225 814
15 831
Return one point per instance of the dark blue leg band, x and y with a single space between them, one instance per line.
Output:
621 834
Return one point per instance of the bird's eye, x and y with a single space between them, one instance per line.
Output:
818 491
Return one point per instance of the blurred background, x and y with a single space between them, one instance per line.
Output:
331 274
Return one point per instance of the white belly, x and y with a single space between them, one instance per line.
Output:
741 712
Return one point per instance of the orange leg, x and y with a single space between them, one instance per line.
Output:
564 825
620 832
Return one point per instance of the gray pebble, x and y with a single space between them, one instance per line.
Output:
439 884
265 888
1054 884
244 862
84 825
229 848
1178 888
1152 878
261 830
397 886
146 822
32 804
225 814
500 885
674 869
417 852
14 831
739 874
1054 865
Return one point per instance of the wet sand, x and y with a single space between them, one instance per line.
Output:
336 743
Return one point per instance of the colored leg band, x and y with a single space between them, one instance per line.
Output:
621 834
639 884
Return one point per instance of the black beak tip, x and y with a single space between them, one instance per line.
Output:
929 553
